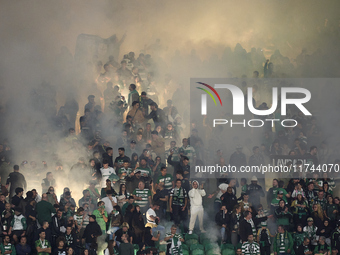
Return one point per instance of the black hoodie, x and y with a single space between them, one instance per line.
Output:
92 229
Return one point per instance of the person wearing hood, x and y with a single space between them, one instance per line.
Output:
195 196
92 231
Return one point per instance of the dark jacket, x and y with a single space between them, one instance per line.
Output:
179 166
92 229
229 200
105 156
126 249
222 218
245 230
255 192
23 250
157 116
56 224
17 180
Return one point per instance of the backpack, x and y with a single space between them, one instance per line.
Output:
264 238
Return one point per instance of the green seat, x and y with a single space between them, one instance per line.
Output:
185 247
191 236
212 252
228 251
197 252
227 246
205 242
204 236
191 241
196 246
211 246
185 252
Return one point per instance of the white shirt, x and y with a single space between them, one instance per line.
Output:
195 196
108 203
149 213
105 174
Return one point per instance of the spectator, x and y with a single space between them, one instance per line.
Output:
44 210
15 180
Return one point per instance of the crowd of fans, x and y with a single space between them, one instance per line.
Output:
137 190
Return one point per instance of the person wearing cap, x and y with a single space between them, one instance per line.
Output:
264 238
310 231
250 247
283 242
18 225
91 232
136 113
255 192
132 148
196 206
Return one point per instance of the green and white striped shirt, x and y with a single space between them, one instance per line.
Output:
167 179
251 248
143 171
144 194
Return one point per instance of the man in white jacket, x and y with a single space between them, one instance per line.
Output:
195 196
